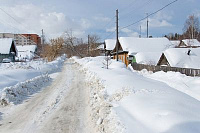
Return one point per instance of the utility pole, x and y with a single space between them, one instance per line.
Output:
147 26
117 35
42 40
140 31
88 45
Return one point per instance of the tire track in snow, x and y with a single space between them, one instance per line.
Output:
59 108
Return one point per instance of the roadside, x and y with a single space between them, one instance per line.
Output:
60 107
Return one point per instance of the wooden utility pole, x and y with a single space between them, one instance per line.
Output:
147 26
42 40
140 32
117 35
88 45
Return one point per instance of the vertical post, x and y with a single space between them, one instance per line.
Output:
117 35
147 26
88 45
42 40
140 32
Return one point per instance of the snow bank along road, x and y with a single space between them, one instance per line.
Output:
62 107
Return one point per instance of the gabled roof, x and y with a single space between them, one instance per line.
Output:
178 57
110 44
5 45
148 58
191 42
26 48
134 45
175 43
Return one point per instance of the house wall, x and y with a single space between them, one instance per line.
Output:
10 56
122 57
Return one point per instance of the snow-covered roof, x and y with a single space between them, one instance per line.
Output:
110 44
100 46
5 45
191 42
175 43
149 58
178 57
134 45
25 48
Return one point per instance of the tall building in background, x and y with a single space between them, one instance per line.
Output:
23 39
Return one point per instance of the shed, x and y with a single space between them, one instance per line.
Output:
7 49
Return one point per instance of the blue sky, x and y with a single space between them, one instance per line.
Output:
94 17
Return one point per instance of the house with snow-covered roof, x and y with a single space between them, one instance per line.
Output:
189 43
26 52
181 57
109 45
175 43
7 49
130 46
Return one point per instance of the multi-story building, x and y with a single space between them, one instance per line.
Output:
23 39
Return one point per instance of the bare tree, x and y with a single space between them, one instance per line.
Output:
93 44
53 49
191 27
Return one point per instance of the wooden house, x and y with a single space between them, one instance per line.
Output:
130 46
189 43
180 57
7 49
109 46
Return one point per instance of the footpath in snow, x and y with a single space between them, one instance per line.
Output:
126 101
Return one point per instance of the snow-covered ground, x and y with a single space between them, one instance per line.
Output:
20 79
61 107
186 84
134 103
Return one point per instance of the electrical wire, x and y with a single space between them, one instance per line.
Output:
149 15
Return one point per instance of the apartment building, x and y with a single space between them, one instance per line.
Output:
23 39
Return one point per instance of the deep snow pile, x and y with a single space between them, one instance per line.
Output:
20 79
141 104
17 93
186 84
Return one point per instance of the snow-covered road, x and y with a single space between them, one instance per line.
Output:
59 108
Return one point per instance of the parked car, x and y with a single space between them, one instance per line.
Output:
6 60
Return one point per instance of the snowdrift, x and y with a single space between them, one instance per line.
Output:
136 104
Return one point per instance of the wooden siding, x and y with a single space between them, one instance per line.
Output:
122 57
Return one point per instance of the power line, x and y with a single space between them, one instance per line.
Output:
149 15
138 7
13 18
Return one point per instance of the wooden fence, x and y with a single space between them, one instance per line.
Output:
186 71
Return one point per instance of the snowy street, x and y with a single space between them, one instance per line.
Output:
59 107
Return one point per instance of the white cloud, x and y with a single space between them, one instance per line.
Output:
85 23
32 19
101 18
112 29
157 21
130 33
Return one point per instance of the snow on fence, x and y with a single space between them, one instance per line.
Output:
186 71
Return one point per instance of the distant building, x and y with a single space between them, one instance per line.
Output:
189 43
33 37
23 39
26 52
